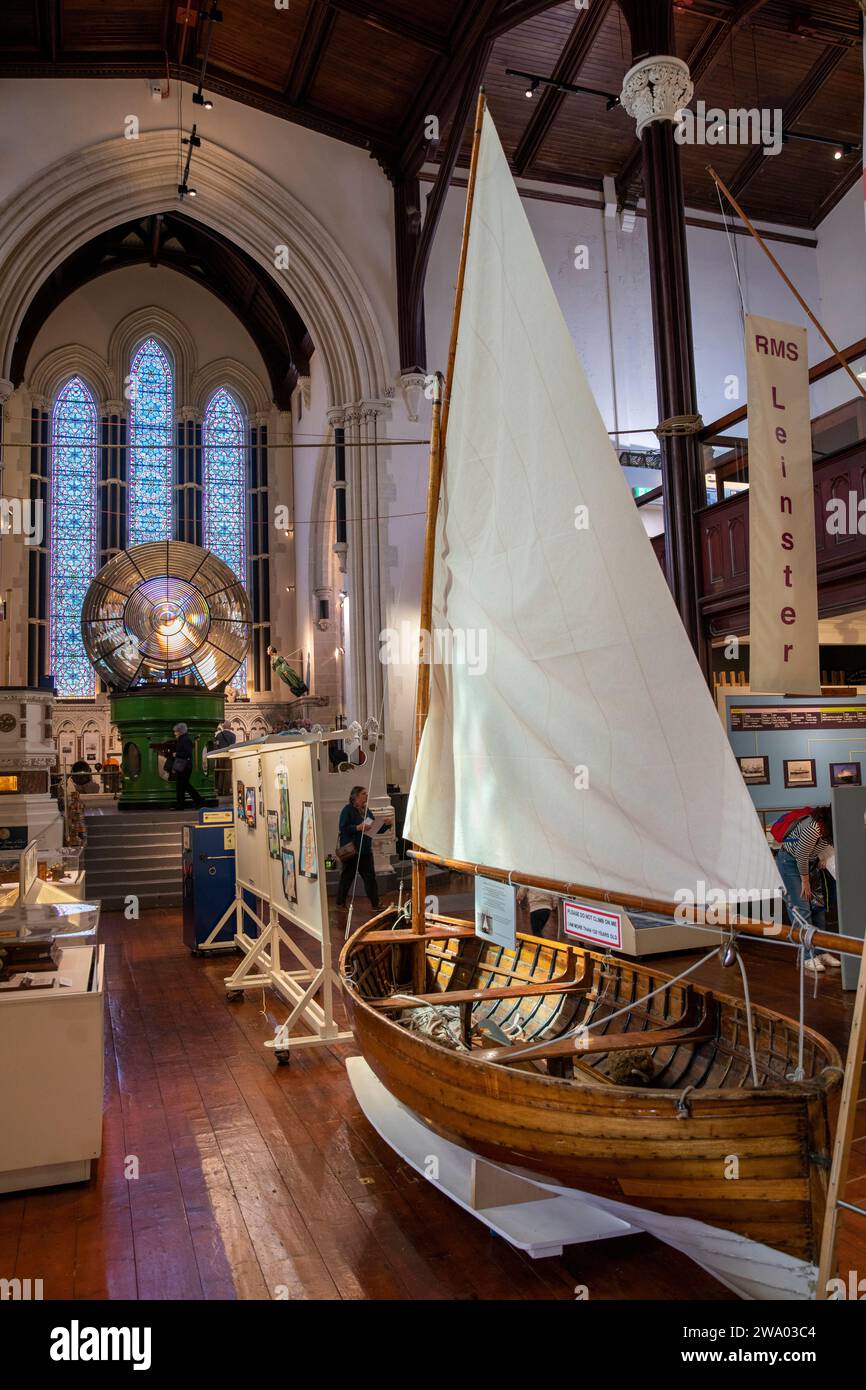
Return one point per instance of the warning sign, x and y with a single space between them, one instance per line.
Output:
592 924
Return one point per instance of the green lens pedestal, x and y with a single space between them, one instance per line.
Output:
147 715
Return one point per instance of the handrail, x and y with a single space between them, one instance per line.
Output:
822 369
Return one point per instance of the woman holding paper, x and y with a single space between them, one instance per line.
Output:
355 825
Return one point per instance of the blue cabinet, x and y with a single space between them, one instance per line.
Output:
208 885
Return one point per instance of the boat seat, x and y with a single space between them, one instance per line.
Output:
559 984
698 1024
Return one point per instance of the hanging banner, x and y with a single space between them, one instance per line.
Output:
783 583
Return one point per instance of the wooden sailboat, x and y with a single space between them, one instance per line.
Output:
615 1085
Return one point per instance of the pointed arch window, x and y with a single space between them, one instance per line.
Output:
224 484
74 440
151 413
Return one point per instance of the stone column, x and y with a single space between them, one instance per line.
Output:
113 480
189 493
654 90
361 425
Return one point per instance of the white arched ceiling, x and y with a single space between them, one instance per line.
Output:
78 198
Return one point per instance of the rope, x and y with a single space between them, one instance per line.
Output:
583 1028
749 1022
733 254
679 425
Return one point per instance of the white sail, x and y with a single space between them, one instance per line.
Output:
587 665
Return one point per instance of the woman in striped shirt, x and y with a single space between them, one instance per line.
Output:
803 851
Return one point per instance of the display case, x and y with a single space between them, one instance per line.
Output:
51 1040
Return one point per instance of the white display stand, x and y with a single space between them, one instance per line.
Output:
541 1216
51 1082
529 1217
290 904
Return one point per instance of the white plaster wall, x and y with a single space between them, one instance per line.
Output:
842 285
89 316
717 311
340 184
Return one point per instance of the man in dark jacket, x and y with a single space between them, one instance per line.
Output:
354 823
182 767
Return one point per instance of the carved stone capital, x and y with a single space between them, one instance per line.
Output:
6 390
412 386
114 408
656 89
304 385
185 414
39 402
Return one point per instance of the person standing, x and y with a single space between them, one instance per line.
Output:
801 856
182 767
354 825
224 738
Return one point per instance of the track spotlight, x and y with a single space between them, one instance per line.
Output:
837 154
199 100
532 88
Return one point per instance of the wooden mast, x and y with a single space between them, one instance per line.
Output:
437 453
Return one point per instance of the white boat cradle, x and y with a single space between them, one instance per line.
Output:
542 1217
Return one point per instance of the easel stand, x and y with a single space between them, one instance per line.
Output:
262 968
280 853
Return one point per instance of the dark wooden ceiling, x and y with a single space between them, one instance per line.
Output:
371 71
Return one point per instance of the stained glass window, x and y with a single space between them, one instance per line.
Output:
73 533
150 444
225 488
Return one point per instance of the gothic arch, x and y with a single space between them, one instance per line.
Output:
77 198
244 385
54 369
169 331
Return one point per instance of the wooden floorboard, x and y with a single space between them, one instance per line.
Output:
225 1176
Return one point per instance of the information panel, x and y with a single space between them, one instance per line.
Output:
745 718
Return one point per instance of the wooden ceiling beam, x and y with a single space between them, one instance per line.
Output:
701 60
412 271
439 92
815 78
518 12
317 30
47 28
583 35
710 46
378 16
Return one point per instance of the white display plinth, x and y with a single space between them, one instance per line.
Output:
51 1082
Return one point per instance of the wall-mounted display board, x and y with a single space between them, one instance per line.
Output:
807 745
279 853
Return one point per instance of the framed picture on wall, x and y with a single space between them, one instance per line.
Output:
845 775
273 835
281 783
755 770
250 804
241 804
799 772
309 862
290 880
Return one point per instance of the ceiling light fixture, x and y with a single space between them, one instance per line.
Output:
536 80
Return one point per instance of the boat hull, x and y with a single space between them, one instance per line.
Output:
749 1161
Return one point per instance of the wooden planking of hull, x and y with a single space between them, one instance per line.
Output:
697 1140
